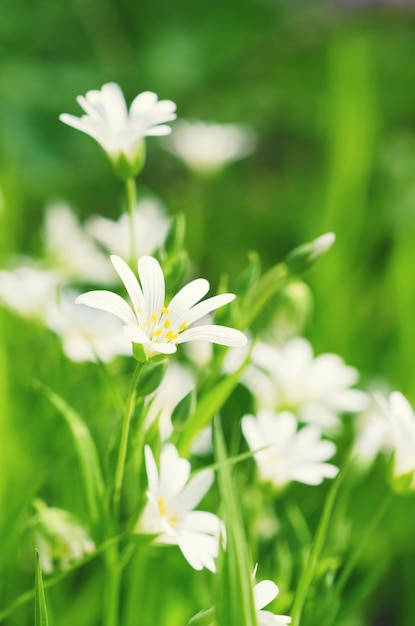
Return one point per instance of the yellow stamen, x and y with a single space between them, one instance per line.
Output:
173 520
182 326
171 335
167 323
161 506
153 318
165 310
138 309
157 332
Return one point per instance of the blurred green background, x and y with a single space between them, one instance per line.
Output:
330 92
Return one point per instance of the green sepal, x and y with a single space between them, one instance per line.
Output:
127 167
151 378
141 356
41 613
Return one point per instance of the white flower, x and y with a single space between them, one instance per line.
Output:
169 511
288 454
176 384
28 291
153 326
315 389
264 593
401 419
118 130
71 250
86 335
207 147
150 229
59 537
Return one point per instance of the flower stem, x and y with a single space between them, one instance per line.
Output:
314 555
352 562
131 192
125 429
112 586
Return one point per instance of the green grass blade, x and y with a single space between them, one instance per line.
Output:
87 454
208 405
234 596
41 613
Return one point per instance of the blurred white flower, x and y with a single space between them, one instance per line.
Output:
315 389
264 593
207 147
150 225
28 291
120 131
86 335
401 420
169 510
71 250
372 431
288 454
153 327
59 537
176 384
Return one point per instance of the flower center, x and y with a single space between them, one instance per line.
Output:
171 519
159 326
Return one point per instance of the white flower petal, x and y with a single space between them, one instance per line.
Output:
110 302
195 490
205 307
152 283
184 299
151 469
131 284
222 335
264 593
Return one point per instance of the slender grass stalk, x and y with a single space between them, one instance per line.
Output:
314 555
27 596
131 193
112 586
354 559
125 429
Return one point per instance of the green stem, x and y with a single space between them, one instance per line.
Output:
131 192
314 555
354 559
112 587
125 429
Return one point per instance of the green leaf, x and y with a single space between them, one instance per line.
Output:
87 454
174 241
41 613
184 409
208 405
234 592
151 378
203 618
261 293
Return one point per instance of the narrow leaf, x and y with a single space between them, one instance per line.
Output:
151 378
87 454
234 593
208 405
41 614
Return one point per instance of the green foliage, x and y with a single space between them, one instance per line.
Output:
41 612
234 602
